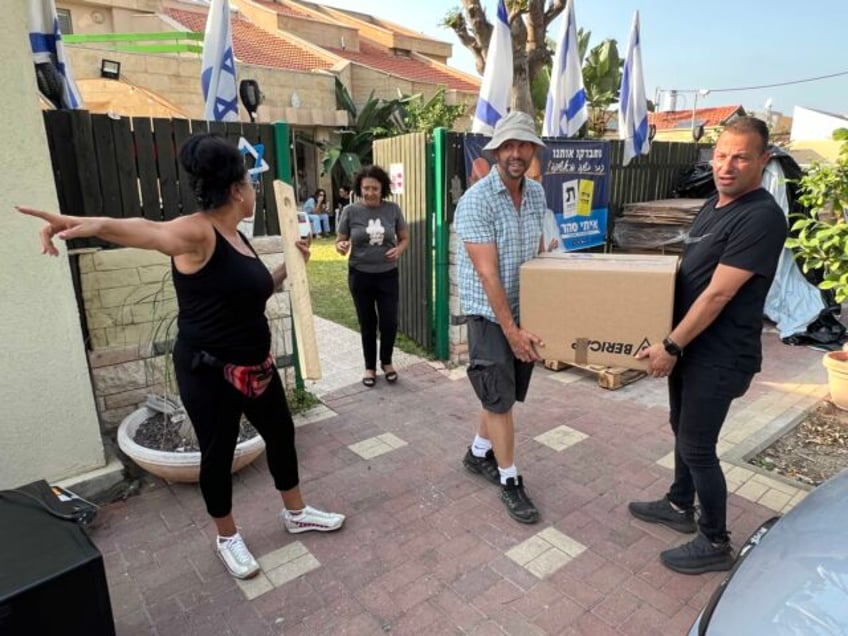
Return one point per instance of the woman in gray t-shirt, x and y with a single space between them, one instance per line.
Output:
375 234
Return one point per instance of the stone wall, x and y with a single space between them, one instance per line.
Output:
130 307
458 340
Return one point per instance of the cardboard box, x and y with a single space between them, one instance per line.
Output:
598 308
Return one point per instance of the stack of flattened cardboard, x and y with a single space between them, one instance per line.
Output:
655 225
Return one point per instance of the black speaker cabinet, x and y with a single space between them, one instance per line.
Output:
52 579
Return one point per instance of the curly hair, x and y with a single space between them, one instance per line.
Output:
213 165
372 172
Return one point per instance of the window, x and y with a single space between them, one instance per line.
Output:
65 25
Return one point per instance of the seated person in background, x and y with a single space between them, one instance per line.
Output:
342 198
316 208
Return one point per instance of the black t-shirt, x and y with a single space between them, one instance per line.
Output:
222 306
747 234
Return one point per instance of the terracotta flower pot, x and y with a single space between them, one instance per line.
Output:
173 466
836 363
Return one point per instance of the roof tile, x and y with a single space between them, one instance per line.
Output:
410 68
710 117
256 46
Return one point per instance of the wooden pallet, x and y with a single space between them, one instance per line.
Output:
611 378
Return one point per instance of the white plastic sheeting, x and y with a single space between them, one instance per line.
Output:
792 302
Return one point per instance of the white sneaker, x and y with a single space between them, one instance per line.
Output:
312 519
237 557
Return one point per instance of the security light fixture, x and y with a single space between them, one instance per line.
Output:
110 69
251 96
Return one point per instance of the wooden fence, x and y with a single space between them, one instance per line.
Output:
129 167
647 177
411 152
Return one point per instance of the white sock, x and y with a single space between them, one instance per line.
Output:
506 473
480 446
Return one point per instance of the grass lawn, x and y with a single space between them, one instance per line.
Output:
331 300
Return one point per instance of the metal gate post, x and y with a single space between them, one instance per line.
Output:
282 143
441 236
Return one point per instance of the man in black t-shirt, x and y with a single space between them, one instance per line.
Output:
714 349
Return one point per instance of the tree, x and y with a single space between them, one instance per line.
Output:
376 119
434 113
602 82
529 21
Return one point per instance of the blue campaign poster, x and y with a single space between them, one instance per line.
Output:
575 175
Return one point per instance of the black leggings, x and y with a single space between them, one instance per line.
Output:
375 296
215 407
699 399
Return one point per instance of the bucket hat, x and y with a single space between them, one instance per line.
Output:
515 125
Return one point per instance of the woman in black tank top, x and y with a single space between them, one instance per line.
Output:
222 356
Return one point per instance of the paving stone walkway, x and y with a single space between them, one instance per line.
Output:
427 547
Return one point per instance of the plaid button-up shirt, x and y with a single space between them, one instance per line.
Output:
486 214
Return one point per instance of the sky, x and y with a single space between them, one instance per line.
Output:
693 46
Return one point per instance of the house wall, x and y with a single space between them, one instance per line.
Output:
49 428
130 308
123 17
685 134
810 125
177 79
828 150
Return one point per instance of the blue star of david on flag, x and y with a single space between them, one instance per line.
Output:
218 68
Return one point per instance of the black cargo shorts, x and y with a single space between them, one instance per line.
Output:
498 377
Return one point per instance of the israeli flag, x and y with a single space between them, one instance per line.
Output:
496 89
565 110
45 40
633 106
218 68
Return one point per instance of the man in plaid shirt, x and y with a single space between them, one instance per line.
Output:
499 221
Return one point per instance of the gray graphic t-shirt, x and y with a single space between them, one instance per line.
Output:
372 232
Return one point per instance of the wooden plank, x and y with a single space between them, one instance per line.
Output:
610 378
86 157
301 305
125 164
613 378
188 201
166 162
60 140
104 147
148 176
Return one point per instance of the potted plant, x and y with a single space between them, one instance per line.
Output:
159 436
820 242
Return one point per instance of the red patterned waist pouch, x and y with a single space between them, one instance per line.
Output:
250 380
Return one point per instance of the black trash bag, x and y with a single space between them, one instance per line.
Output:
825 331
695 182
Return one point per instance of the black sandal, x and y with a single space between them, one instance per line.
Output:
369 381
391 376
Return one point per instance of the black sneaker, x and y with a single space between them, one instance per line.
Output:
518 504
662 512
486 466
699 555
